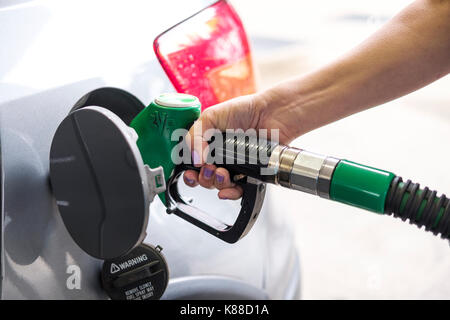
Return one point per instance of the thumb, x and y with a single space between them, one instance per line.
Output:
198 136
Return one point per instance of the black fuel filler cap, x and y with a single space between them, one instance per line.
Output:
142 274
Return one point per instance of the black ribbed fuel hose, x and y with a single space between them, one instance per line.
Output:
406 200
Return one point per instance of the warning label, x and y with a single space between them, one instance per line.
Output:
127 264
141 292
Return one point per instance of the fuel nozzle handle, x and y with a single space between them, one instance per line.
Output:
340 180
274 163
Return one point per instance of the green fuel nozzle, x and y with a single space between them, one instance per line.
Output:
156 127
156 124
251 159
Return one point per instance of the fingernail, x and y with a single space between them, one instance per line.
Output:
220 178
190 181
195 157
207 173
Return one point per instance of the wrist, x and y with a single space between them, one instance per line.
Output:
306 103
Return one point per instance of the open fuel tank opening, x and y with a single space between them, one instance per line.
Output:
102 187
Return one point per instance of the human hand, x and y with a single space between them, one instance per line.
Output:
247 112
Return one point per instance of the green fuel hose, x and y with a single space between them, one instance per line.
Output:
383 192
406 200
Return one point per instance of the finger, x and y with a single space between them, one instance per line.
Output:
197 140
196 143
200 133
206 176
222 179
190 178
231 193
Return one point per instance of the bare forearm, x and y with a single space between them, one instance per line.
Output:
409 52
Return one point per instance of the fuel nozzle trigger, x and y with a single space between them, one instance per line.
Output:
251 203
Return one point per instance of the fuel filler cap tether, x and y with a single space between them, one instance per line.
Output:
102 187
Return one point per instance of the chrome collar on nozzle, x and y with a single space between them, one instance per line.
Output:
302 170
